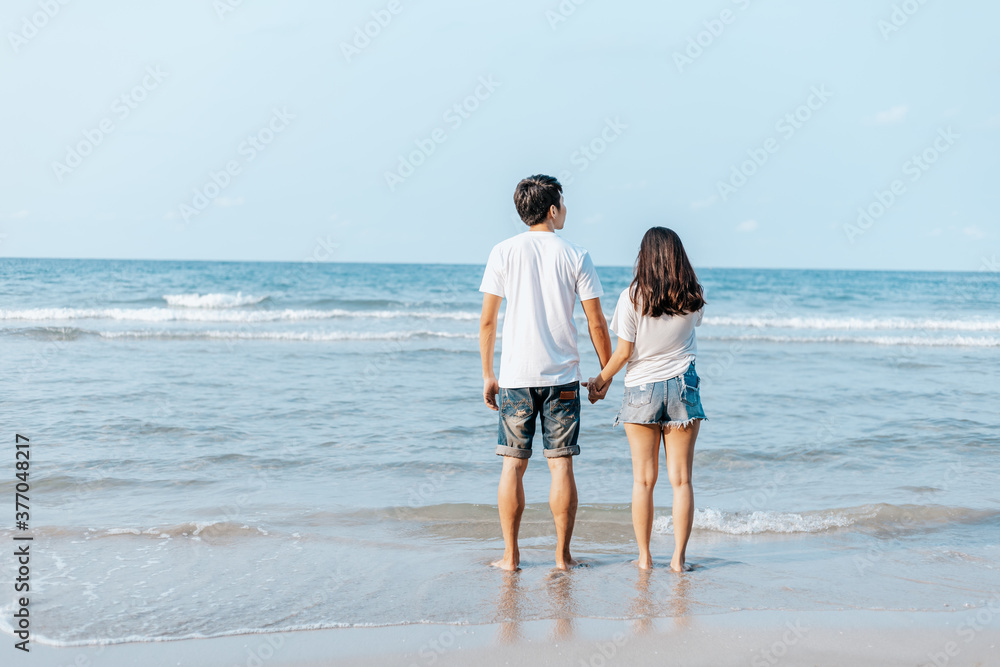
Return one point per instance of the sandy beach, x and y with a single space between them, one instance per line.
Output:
823 639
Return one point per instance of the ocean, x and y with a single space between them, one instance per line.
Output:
221 448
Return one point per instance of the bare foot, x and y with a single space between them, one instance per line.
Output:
680 567
567 562
508 564
644 563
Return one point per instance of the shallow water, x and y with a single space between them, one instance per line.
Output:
230 447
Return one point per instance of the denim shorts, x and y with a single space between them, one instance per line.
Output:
673 402
559 408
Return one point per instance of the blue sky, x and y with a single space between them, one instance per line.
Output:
219 129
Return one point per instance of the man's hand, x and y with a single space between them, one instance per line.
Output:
597 389
490 391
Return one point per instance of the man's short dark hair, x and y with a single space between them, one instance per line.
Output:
534 196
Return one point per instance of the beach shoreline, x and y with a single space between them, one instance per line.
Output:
758 638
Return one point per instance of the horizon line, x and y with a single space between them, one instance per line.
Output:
390 263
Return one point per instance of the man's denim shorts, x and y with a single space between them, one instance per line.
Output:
673 402
559 408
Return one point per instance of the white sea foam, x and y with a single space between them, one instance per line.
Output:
899 341
227 308
232 315
307 336
213 300
854 323
753 523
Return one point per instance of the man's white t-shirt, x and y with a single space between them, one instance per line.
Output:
664 346
540 275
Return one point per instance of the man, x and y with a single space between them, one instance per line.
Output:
540 275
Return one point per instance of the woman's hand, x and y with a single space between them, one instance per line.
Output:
597 388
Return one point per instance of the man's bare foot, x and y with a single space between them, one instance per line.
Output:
508 564
644 563
566 562
680 567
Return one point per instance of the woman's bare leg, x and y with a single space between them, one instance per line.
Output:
644 441
679 443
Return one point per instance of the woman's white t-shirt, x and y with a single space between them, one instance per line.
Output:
664 346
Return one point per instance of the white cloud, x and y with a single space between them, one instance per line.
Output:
974 232
992 123
226 202
703 203
640 185
594 219
747 226
17 215
892 116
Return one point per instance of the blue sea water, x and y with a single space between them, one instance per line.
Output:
225 447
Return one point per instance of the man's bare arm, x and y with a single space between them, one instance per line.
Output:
487 347
599 336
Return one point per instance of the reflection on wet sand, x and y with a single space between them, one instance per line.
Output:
643 608
510 608
680 601
560 588
658 594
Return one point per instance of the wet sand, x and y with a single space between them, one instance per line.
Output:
833 638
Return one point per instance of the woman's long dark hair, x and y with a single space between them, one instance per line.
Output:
665 282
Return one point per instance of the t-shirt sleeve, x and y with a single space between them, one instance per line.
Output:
624 321
493 277
699 316
588 285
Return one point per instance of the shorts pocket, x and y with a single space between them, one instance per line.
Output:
514 404
565 410
639 396
691 396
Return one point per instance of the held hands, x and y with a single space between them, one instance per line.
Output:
490 391
597 388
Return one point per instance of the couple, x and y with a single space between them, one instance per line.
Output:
541 275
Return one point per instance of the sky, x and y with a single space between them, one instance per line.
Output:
858 134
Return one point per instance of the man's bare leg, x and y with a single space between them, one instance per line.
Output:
510 499
562 502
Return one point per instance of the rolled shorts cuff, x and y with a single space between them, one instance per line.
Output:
562 451
514 452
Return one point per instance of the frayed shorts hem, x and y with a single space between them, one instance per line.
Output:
666 425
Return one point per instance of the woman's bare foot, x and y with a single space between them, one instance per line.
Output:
512 564
680 566
644 562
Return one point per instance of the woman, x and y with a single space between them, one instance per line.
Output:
655 320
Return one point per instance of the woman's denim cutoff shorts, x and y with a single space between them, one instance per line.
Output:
673 402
